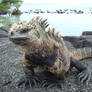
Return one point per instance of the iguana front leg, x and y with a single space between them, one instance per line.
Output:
85 72
30 79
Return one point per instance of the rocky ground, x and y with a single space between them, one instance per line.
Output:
11 70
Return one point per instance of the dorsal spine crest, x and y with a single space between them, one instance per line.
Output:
54 34
43 23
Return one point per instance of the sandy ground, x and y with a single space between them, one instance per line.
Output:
11 71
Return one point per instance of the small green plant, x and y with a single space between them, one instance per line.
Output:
4 6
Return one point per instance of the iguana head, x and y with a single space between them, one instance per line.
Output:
30 33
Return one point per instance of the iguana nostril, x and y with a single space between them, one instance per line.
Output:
12 33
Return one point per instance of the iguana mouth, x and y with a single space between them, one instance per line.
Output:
19 40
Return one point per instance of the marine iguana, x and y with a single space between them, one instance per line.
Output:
47 50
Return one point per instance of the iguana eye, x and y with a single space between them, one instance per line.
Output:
38 35
25 30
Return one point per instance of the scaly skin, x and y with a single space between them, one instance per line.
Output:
46 50
81 53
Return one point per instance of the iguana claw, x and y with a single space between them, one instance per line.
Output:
51 83
29 81
85 76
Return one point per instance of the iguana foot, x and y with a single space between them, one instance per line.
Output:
85 76
85 72
29 81
52 83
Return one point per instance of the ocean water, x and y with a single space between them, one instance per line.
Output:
66 24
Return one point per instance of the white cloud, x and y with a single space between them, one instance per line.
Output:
60 1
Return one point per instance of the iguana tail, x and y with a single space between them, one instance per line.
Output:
81 53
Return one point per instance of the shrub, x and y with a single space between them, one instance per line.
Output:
4 6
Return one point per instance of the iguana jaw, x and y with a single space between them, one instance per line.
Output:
19 40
